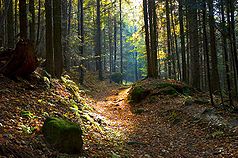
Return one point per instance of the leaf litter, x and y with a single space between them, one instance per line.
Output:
160 126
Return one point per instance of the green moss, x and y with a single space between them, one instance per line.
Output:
138 93
62 134
168 91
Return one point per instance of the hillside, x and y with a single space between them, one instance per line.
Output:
161 125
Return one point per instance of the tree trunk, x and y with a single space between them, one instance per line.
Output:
10 25
22 62
168 40
121 55
110 44
182 38
215 76
193 34
23 19
98 41
58 55
206 51
38 23
49 38
15 20
115 45
224 44
147 38
81 34
1 24
32 20
69 16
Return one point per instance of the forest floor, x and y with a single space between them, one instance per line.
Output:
162 126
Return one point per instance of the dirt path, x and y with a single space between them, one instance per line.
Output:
156 128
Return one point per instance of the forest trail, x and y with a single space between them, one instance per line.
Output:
158 128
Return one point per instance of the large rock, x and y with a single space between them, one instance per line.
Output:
63 135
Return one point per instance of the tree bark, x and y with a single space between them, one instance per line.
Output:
49 38
98 41
81 34
32 20
215 76
193 34
23 19
121 51
58 55
10 24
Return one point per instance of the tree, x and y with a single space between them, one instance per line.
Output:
81 36
58 55
215 76
49 38
98 41
182 38
23 19
10 24
121 51
194 47
150 37
32 20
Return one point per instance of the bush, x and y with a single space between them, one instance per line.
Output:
117 77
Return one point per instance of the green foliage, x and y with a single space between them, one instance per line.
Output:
27 114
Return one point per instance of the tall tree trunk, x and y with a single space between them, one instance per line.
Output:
182 38
110 44
170 58
38 23
15 19
98 41
224 44
67 60
23 19
115 45
49 38
81 34
205 47
32 20
193 34
215 76
176 43
58 55
121 51
10 25
136 66
154 39
69 16
233 41
147 38
1 24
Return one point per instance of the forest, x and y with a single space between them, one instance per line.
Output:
118 78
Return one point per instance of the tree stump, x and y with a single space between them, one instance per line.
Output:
20 62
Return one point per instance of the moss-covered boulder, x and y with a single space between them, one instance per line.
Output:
154 87
63 135
138 93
